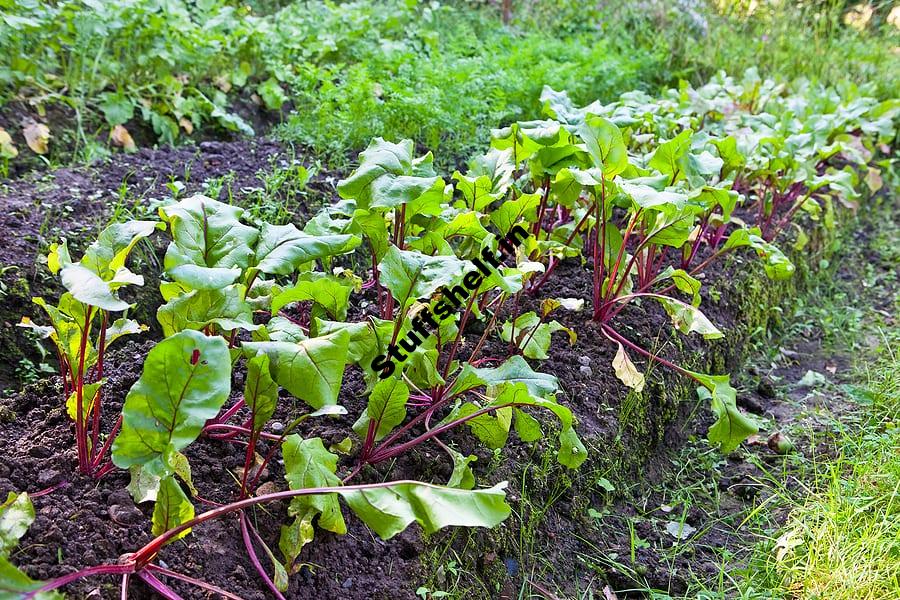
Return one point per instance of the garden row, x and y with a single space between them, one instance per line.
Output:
139 72
644 195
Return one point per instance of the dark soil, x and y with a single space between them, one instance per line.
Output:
76 202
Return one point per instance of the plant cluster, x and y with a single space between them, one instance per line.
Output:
646 194
178 69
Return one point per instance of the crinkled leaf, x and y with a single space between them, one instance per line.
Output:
386 407
210 246
307 464
411 275
185 381
329 292
311 369
282 249
197 309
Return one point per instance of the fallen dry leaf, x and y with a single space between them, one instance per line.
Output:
37 135
7 149
186 124
121 137
608 594
874 180
626 371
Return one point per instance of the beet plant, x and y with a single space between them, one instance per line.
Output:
82 330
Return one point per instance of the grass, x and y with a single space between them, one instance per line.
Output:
842 540
830 527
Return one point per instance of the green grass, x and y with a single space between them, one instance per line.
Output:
843 539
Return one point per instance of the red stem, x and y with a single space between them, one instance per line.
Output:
201 584
80 434
248 544
101 350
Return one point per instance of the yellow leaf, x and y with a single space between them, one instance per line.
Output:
186 125
7 149
873 177
37 135
626 371
121 137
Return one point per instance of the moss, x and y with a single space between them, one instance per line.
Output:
14 346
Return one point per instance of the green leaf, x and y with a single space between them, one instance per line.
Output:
16 516
108 253
122 327
272 94
516 370
410 275
534 335
197 309
182 468
311 370
605 145
462 475
185 381
329 292
390 510
88 396
307 464
210 246
731 426
683 281
491 428
367 338
282 249
88 287
513 212
117 108
388 176
14 584
296 535
776 264
260 391
172 509
668 158
572 452
386 407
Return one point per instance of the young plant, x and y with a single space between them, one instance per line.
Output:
82 331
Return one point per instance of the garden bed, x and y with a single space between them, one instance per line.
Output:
84 521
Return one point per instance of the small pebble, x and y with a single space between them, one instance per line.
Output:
125 515
348 583
40 452
584 360
585 370
277 426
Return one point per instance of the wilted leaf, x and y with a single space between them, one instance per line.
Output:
120 137
626 371
37 136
